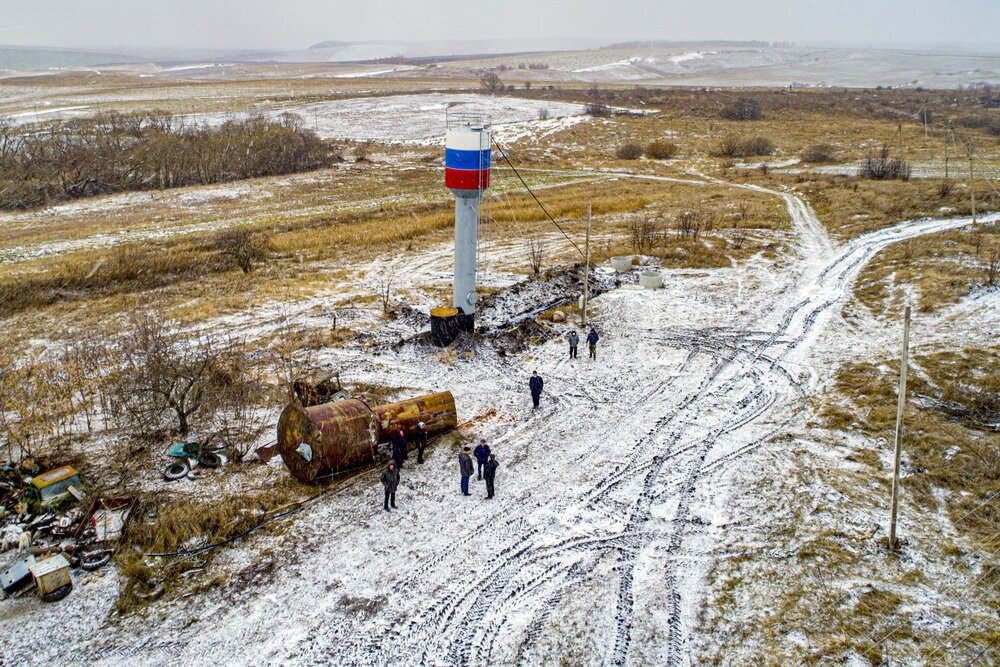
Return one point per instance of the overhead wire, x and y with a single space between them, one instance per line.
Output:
535 197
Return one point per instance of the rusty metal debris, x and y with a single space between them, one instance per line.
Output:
345 434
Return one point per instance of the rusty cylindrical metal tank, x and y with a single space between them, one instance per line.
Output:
326 438
436 411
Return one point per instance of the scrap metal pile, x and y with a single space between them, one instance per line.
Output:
49 526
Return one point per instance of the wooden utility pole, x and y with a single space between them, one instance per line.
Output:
972 182
900 403
586 271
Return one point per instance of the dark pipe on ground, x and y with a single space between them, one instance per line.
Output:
345 434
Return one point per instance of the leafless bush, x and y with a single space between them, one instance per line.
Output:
644 232
945 187
597 109
536 255
820 153
243 248
694 222
661 149
734 145
992 268
742 109
543 114
629 152
880 166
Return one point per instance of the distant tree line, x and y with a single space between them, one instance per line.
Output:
113 152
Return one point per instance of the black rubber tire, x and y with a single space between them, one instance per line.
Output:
176 471
95 560
58 594
209 460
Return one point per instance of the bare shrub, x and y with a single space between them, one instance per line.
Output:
597 109
661 149
543 114
734 145
693 222
944 188
242 248
819 153
880 166
992 268
536 254
742 108
644 233
629 152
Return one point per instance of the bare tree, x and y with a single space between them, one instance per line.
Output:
164 372
491 83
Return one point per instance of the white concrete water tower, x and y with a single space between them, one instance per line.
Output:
467 175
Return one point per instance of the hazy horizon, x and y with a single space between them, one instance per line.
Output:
264 25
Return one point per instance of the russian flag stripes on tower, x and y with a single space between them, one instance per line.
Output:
467 159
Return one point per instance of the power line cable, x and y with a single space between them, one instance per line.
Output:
537 200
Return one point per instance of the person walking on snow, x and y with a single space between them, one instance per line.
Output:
489 474
399 449
482 454
390 480
592 339
535 385
574 340
465 470
420 438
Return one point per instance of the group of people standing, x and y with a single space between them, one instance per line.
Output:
535 382
487 464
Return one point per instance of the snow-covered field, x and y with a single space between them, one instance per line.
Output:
611 497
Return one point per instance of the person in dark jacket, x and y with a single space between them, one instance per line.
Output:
535 385
420 438
399 448
390 480
592 339
490 474
465 469
482 454
574 340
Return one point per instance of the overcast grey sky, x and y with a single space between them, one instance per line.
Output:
295 24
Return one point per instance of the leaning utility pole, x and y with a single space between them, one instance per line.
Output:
900 403
586 272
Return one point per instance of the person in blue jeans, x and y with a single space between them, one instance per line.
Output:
482 454
465 469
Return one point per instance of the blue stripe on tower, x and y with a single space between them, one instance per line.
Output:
456 159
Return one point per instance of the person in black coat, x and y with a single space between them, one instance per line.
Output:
535 385
465 469
420 439
490 474
399 448
482 454
390 480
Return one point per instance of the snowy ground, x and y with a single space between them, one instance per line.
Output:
611 496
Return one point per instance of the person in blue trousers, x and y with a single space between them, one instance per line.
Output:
465 469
